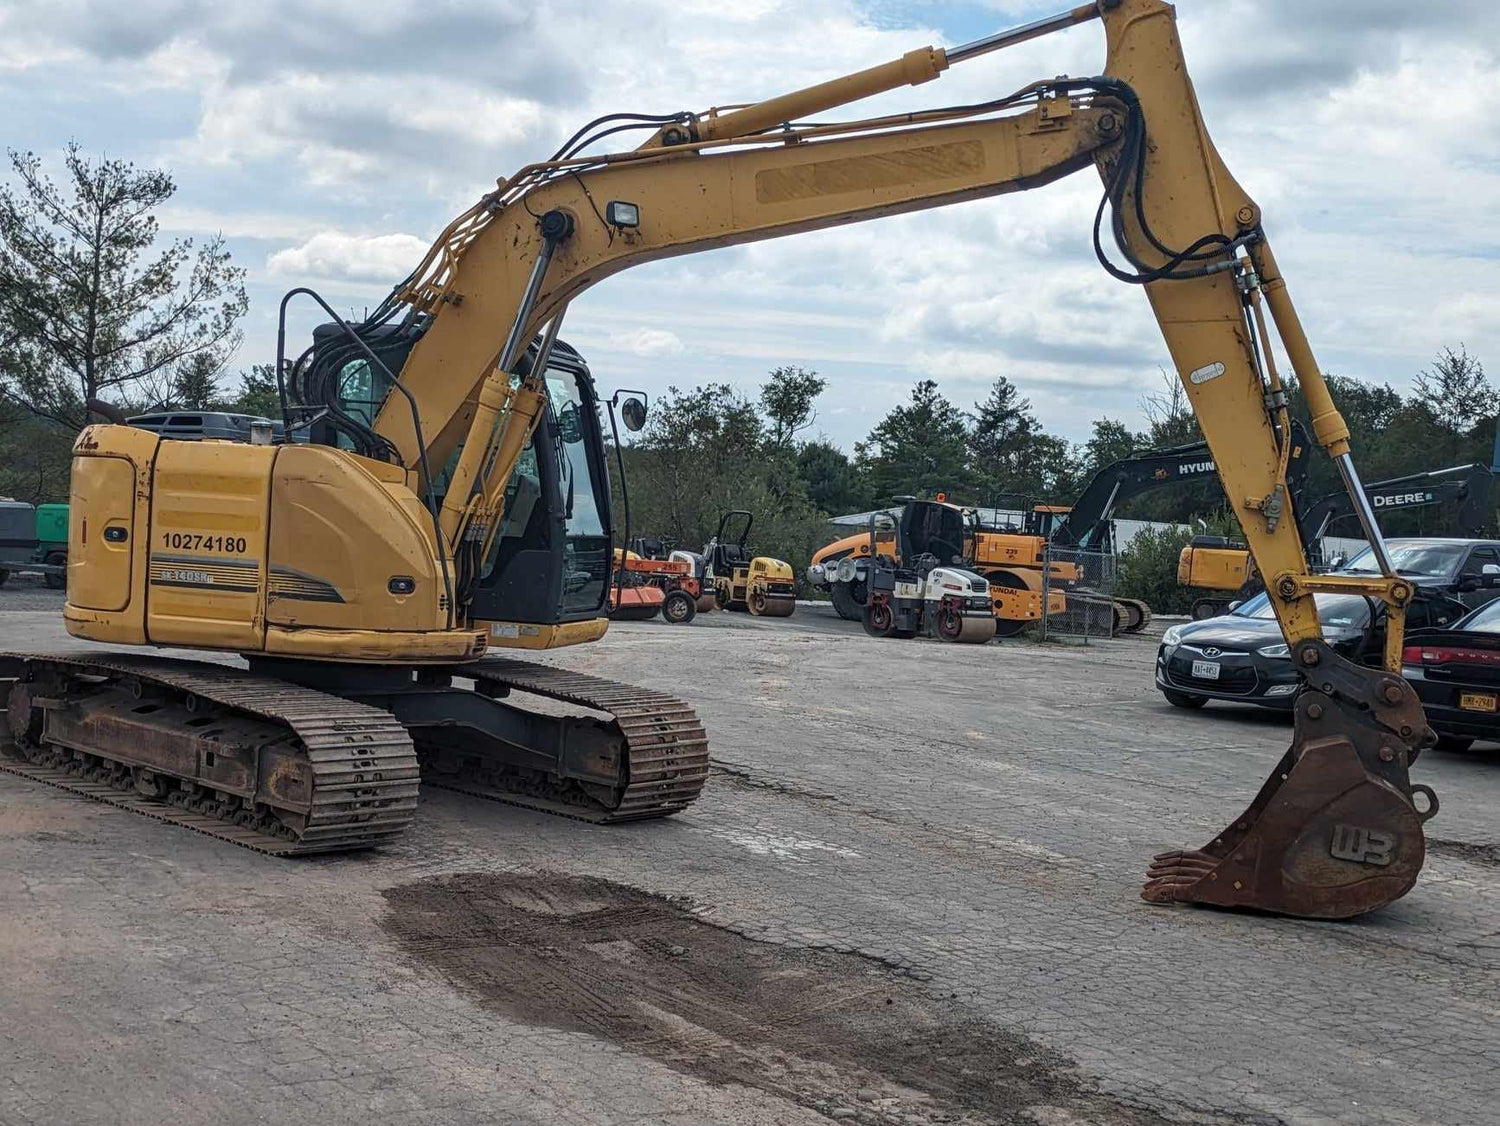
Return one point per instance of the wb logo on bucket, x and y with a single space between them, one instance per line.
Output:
1363 846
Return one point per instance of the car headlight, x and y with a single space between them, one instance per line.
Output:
1172 636
1282 650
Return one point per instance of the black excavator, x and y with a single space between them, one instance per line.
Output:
1222 567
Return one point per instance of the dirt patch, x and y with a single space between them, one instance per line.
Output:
831 1031
1479 853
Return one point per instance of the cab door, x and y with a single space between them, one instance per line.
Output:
1479 578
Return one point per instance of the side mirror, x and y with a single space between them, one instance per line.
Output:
568 425
633 414
1468 584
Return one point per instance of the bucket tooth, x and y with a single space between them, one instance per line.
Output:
1334 831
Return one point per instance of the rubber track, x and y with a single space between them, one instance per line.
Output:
1145 612
345 743
666 748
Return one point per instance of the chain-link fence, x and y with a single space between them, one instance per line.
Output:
1078 593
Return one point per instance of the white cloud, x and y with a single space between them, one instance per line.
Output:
343 257
1365 128
648 342
235 224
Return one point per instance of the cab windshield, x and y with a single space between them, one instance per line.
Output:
1335 611
574 477
1412 557
1484 620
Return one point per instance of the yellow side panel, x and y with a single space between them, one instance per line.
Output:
339 535
858 544
206 584
1016 550
101 533
1214 568
770 570
523 635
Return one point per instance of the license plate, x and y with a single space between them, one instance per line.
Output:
1476 701
1207 670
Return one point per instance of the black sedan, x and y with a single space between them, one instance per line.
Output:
1456 673
1242 657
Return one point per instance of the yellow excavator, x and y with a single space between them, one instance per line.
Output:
368 575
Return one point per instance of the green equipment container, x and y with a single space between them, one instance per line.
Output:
52 527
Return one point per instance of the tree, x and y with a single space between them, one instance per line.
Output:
919 448
788 398
258 393
92 308
707 451
833 482
1002 426
1456 391
1169 415
1110 442
195 386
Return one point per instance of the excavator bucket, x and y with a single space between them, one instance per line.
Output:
1335 830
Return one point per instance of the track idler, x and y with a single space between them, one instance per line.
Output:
1335 830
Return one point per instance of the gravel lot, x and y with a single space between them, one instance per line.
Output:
908 894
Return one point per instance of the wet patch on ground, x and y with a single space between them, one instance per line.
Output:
836 1032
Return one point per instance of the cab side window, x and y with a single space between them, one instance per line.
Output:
1477 560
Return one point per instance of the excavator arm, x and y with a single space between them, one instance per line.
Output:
1466 487
1335 831
1086 523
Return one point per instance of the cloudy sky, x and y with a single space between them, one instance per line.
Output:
329 140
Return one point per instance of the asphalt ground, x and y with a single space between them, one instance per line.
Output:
909 893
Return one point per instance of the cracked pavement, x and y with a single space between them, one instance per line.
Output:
978 819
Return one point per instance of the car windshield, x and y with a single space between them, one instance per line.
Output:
1338 611
1412 557
1486 619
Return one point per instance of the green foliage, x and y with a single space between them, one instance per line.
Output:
834 483
1148 570
920 448
91 306
257 393
788 398
1110 442
1012 461
35 457
706 452
1455 392
709 450
196 383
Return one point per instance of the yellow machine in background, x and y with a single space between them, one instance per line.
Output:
464 507
1216 563
744 581
1010 563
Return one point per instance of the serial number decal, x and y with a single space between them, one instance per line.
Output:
194 541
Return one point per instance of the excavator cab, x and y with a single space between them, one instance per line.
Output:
933 528
550 561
